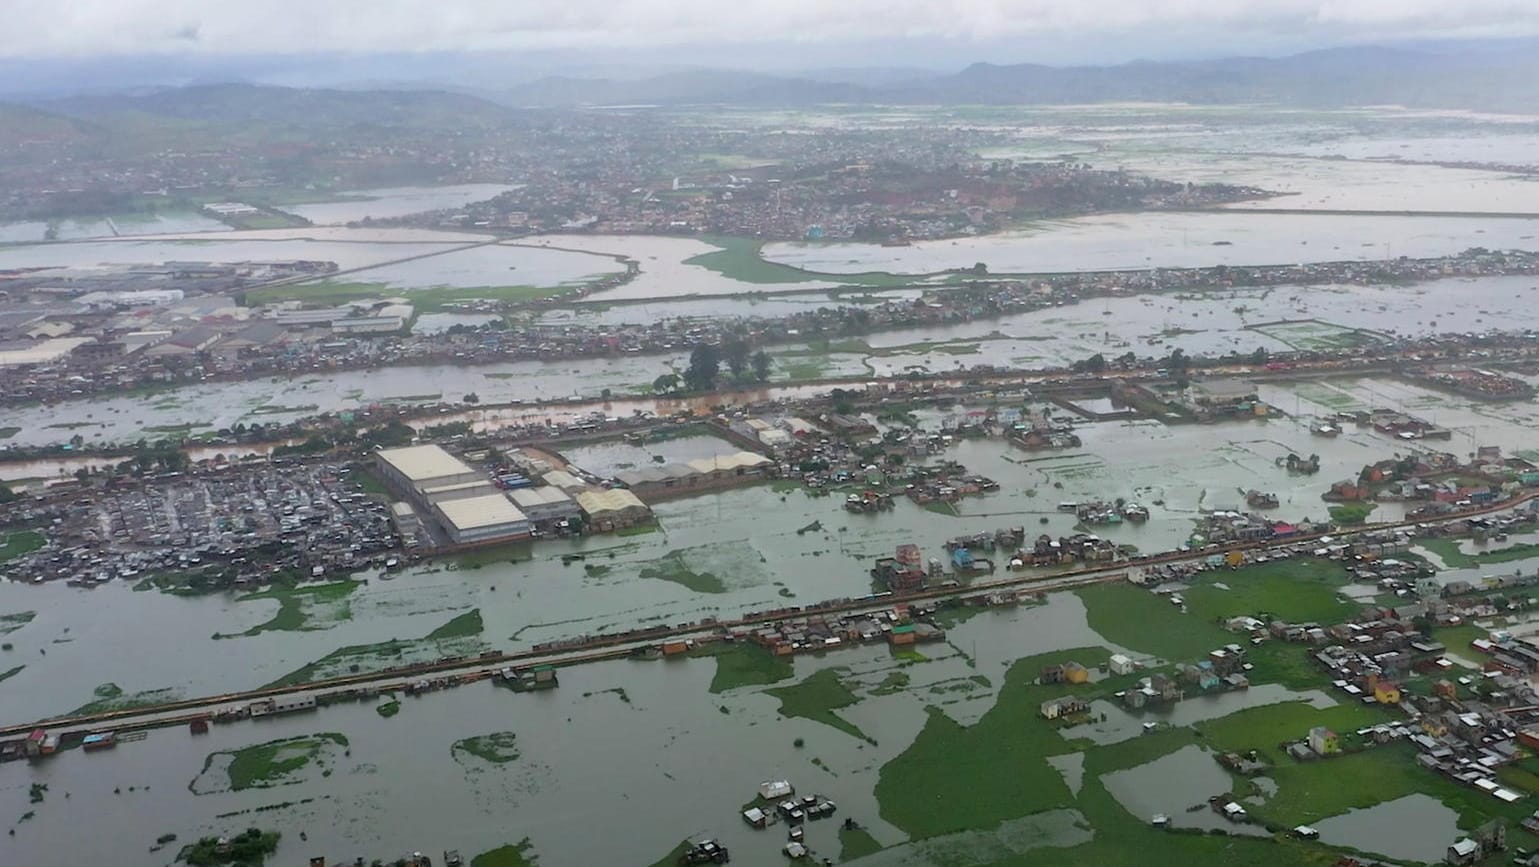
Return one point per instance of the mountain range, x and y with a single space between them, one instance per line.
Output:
1494 78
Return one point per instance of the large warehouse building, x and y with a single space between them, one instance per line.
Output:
482 519
457 497
416 470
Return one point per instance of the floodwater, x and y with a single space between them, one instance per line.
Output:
1174 785
1120 724
493 265
1208 323
665 268
1165 240
606 459
1413 828
394 202
1310 182
130 224
440 261
686 760
228 247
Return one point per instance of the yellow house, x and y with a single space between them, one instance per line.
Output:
1386 692
1073 672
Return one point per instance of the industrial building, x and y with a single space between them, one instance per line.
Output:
414 470
459 498
544 505
492 517
613 509
712 473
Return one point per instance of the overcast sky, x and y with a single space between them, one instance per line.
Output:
1059 31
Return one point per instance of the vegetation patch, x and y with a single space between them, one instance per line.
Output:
246 849
519 855
10 673
740 663
1351 514
1295 590
816 698
458 637
309 606
497 748
956 778
388 709
11 622
110 697
672 567
1266 728
856 843
266 765
462 626
19 543
1448 551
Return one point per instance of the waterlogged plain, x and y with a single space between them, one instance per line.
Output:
931 774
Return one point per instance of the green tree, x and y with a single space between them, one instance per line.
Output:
1094 364
761 365
665 383
734 350
6 494
1260 356
704 365
472 397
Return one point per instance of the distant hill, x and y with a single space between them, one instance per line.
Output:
1454 77
678 88
22 123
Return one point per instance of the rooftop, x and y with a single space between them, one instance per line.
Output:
422 463
608 501
547 496
475 512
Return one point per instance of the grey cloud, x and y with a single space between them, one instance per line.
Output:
110 27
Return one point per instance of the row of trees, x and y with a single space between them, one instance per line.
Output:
705 363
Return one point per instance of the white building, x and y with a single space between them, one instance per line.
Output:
482 519
414 470
548 503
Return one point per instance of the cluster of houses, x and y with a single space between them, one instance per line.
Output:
1076 548
1224 526
898 626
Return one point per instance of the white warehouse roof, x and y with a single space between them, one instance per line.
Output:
528 498
419 463
473 513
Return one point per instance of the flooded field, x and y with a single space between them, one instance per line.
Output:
1177 786
669 269
742 546
228 247
373 257
606 459
127 224
492 265
1412 828
1310 182
941 754
393 202
1166 240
